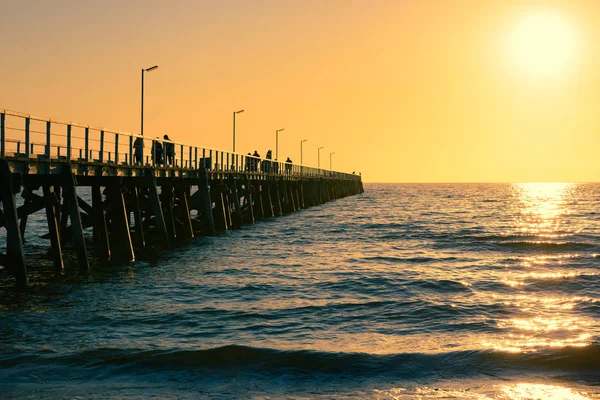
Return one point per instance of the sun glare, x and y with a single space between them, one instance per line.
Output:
543 45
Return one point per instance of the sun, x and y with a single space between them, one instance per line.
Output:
543 44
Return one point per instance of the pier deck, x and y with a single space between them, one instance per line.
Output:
143 191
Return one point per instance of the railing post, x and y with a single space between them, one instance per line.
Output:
222 161
153 152
131 150
180 152
101 156
48 140
87 144
27 147
68 142
2 136
190 158
195 157
116 148
210 159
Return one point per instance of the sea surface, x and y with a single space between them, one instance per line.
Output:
424 291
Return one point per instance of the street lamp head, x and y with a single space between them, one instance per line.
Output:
331 153
322 147
279 130
151 68
302 141
238 112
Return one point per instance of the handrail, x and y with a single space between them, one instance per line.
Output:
100 145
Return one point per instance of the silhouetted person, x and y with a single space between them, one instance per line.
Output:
248 163
157 152
288 166
255 161
266 164
138 150
169 150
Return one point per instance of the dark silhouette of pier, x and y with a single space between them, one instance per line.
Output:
140 194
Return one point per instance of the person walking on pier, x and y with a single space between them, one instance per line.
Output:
169 150
266 164
157 152
138 150
288 166
255 161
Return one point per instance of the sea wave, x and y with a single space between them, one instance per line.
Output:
459 364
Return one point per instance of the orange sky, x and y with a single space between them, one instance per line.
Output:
403 91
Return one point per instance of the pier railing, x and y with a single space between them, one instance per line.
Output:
41 139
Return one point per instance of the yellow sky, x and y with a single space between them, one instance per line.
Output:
403 91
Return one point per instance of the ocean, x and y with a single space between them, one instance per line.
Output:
408 291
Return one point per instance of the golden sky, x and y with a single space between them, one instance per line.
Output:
402 91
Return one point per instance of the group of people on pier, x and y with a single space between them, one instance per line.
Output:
161 154
253 163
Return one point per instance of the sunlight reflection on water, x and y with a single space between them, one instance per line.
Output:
518 391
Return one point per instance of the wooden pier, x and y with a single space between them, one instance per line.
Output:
144 191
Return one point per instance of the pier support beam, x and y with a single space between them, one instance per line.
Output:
219 210
207 213
121 244
99 224
51 217
10 186
267 200
140 240
236 218
70 196
159 218
183 211
249 200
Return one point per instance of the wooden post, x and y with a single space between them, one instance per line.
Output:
249 197
237 208
23 221
120 223
291 197
207 214
51 201
277 206
157 210
258 198
137 216
166 194
99 224
10 185
220 218
227 204
266 189
183 210
299 205
301 199
70 195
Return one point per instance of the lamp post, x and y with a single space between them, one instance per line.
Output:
142 116
144 70
302 141
277 143
330 154
319 156
235 112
